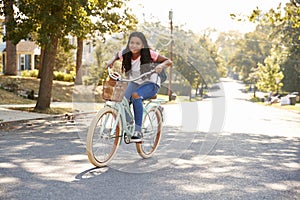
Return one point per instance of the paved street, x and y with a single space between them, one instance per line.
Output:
223 147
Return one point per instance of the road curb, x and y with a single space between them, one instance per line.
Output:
67 116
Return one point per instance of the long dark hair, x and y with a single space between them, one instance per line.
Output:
145 54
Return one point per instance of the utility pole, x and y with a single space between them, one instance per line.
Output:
171 55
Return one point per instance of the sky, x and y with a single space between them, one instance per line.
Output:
197 15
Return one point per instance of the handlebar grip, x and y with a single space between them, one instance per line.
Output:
116 76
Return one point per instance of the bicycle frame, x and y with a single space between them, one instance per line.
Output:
123 107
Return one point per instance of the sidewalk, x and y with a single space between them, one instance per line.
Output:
8 115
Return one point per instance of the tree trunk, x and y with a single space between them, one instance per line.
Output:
45 89
201 90
197 89
78 79
11 59
41 62
11 49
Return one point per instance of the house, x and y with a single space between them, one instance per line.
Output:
27 55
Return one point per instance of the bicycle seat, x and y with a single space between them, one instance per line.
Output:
154 97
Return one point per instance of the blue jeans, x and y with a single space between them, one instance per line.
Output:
145 91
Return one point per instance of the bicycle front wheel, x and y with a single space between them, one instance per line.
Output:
103 137
152 130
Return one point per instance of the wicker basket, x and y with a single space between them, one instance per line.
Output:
113 90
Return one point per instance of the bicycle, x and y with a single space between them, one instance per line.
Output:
110 127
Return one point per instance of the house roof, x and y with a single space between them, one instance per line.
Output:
24 47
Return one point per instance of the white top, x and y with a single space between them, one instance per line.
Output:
136 66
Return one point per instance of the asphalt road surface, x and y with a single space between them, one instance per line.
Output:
223 147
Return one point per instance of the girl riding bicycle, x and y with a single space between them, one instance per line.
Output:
136 59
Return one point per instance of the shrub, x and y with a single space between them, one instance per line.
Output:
61 76
30 73
69 77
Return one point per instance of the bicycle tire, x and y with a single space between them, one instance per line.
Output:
101 143
152 130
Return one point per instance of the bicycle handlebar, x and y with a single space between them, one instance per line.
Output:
116 76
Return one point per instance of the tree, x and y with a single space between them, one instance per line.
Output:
227 46
212 51
64 60
11 50
251 50
195 57
78 69
53 20
290 40
285 30
269 75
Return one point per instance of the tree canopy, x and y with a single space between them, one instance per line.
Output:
48 22
271 50
284 22
276 38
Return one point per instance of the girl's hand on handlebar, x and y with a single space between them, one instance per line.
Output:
158 69
108 65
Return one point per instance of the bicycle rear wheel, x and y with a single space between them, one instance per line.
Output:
152 130
103 137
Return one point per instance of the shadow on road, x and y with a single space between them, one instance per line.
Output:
48 160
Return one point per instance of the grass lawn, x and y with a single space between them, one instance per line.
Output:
61 92
10 98
295 108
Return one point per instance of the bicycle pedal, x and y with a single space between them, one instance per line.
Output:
136 141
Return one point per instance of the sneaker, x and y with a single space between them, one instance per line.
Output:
137 137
